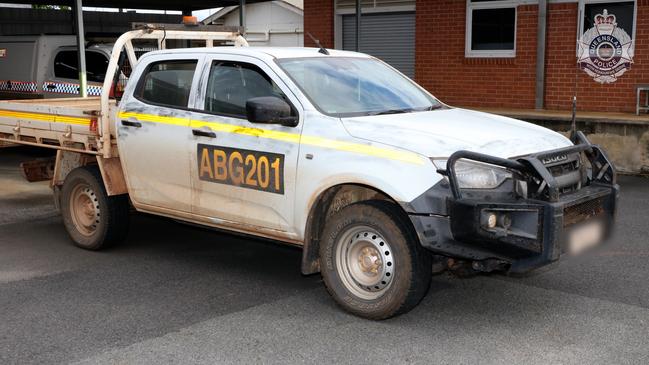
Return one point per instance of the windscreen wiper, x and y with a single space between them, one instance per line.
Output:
390 111
429 108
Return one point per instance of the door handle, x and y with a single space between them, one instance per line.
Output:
128 123
51 86
202 133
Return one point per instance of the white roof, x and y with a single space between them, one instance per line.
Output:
264 52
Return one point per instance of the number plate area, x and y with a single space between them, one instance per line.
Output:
257 170
585 236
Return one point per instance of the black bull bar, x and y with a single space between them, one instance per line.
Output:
543 239
530 165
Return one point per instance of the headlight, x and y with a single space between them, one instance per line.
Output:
476 175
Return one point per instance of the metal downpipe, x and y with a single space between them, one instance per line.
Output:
539 102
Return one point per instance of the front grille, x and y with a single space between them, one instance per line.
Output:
583 211
564 168
567 174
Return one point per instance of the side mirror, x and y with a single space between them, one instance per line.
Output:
270 110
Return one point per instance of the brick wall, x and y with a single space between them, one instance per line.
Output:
442 68
562 73
319 21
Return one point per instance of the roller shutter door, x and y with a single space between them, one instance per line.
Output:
388 36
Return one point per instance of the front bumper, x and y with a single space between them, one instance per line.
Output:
532 227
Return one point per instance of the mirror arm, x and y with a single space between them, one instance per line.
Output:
291 121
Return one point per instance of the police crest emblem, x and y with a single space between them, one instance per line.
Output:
605 50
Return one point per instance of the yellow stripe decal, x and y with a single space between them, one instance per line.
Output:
183 122
363 149
52 118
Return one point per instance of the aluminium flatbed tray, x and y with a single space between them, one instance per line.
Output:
65 123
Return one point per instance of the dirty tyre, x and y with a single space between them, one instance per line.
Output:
92 218
372 263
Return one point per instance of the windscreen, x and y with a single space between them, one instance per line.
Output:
348 86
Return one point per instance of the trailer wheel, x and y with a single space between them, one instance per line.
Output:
93 219
372 263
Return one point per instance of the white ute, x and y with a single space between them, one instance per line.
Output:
332 151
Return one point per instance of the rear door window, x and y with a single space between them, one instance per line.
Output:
167 83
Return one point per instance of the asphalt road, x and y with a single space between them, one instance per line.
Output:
178 294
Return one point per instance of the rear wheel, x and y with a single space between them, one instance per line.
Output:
371 262
93 219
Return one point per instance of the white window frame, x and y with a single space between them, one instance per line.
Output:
582 9
470 7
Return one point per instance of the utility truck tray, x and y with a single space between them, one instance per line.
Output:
68 123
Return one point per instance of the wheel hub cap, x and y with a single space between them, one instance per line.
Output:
84 209
365 262
370 261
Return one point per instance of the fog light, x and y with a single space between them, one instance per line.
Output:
491 220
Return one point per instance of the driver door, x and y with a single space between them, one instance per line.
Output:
242 172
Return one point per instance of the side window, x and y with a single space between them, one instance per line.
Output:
167 83
66 65
623 11
490 28
96 66
231 84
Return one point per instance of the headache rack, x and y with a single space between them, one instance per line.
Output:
85 125
546 175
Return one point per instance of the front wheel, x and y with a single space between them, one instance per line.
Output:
372 263
93 219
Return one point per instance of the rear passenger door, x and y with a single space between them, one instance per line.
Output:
154 137
243 172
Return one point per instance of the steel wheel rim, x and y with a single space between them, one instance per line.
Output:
84 209
364 262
